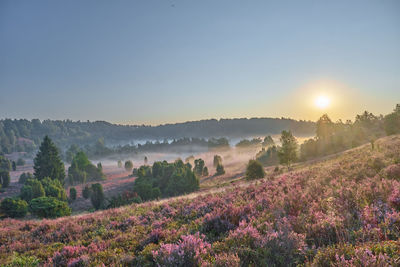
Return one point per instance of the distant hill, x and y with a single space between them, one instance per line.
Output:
25 135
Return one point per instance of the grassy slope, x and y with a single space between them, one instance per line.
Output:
341 199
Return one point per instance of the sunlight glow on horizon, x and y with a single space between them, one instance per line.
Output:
322 102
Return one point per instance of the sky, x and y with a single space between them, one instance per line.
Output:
166 61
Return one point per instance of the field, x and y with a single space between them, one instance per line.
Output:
339 211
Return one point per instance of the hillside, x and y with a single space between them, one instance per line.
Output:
341 210
25 135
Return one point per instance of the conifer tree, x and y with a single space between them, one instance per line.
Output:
48 162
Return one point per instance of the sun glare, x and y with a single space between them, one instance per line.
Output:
322 102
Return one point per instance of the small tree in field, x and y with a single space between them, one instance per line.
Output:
119 163
86 192
72 193
205 171
97 196
128 165
254 170
20 162
199 167
217 160
288 152
4 178
220 169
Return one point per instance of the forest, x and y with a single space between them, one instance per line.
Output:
18 135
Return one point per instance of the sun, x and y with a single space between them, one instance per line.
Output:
322 102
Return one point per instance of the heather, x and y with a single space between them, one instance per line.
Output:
343 210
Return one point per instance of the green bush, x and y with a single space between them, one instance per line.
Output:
24 177
254 170
32 189
14 207
21 261
128 165
86 192
97 196
53 188
82 170
4 178
220 169
72 193
20 162
49 207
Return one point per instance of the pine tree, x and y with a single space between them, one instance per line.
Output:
48 162
97 196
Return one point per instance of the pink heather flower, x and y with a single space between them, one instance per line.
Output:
187 252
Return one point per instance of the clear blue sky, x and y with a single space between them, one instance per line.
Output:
168 61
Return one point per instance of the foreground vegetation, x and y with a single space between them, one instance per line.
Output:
343 211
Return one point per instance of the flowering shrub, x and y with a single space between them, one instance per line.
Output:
339 212
393 172
394 198
190 251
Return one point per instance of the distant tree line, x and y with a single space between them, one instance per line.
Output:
332 137
99 149
25 135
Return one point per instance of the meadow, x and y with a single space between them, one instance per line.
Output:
342 210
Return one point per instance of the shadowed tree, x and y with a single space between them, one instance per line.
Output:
4 178
217 160
48 162
254 170
128 165
220 169
97 196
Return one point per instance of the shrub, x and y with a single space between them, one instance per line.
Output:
82 169
53 188
32 189
14 208
97 196
128 165
220 169
377 164
394 198
217 160
86 192
124 199
254 170
20 162
72 193
393 172
24 177
4 178
205 171
49 207
189 251
20 261
268 247
199 167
